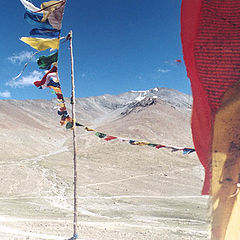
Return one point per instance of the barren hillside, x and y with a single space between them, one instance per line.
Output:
124 191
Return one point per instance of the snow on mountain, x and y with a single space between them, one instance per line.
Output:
92 109
169 96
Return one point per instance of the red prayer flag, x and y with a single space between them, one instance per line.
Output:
108 138
44 79
160 146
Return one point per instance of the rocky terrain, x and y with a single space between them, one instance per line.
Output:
124 191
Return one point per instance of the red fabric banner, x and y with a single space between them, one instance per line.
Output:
210 32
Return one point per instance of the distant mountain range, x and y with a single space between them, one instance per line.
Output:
113 105
150 115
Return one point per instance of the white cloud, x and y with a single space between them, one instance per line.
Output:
5 94
83 75
20 57
26 81
163 70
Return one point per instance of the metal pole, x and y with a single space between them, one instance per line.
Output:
73 101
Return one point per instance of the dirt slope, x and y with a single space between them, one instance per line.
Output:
124 191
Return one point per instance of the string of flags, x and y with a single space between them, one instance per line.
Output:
47 23
107 138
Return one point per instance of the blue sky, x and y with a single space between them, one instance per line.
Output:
119 45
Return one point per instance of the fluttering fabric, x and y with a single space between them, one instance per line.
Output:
35 20
46 78
48 8
51 80
109 138
211 39
41 44
53 11
45 32
45 62
188 150
55 17
28 5
101 135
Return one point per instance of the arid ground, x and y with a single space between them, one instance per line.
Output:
124 192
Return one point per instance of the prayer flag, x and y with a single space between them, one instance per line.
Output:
45 62
46 78
65 120
41 44
152 145
69 125
59 96
45 32
48 8
55 18
53 11
28 5
89 129
188 150
108 138
175 149
140 143
57 90
160 146
35 20
100 135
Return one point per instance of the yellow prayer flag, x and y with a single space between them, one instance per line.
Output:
141 143
48 8
61 105
89 129
41 44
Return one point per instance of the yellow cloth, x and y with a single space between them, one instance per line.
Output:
89 129
61 105
41 44
140 143
226 168
57 90
49 8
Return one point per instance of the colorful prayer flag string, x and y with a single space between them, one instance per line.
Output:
107 138
47 21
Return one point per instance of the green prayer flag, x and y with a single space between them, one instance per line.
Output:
69 125
101 135
152 145
45 62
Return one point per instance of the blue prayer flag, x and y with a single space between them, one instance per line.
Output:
35 20
45 32
188 150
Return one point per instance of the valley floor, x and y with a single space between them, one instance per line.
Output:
122 194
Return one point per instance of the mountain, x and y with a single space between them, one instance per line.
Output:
124 191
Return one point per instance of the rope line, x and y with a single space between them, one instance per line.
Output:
107 137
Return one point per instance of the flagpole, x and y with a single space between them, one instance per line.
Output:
73 101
